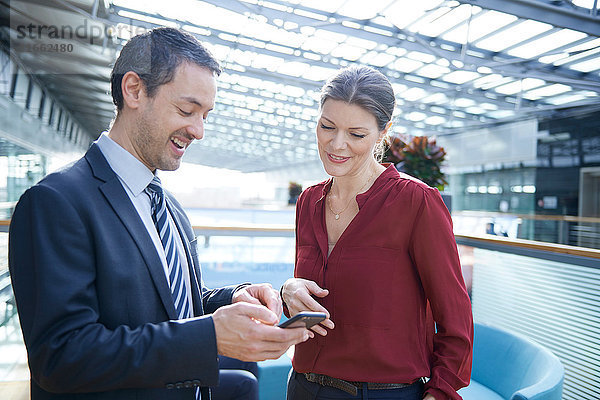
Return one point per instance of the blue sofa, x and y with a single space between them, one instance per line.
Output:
508 366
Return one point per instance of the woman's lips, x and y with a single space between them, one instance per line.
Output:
337 159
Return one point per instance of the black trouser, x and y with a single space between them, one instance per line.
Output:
237 380
301 389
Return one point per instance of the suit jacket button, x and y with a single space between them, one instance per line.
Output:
187 384
196 382
170 386
179 385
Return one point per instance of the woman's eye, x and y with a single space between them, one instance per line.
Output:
358 135
326 127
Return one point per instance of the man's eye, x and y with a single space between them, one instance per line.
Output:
358 135
187 114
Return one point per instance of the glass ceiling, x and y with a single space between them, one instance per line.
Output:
454 65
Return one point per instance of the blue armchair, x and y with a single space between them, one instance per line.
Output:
508 366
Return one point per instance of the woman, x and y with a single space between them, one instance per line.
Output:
374 251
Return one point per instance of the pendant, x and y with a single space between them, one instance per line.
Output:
337 216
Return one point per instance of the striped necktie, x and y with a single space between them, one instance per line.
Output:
166 230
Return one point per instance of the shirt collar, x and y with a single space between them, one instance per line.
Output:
389 173
135 175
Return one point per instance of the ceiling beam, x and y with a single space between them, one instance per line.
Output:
393 36
551 12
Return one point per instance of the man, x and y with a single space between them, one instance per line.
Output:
104 264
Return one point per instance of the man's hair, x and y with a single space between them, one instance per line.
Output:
155 56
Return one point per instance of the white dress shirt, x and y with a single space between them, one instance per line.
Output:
135 177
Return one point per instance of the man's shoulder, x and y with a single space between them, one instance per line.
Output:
68 176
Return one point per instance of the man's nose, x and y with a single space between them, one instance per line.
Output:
196 129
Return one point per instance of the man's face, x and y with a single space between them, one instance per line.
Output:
171 120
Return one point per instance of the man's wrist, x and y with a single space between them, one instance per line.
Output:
239 287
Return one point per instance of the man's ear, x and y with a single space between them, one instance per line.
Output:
133 90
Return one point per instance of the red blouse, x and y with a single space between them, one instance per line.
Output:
395 264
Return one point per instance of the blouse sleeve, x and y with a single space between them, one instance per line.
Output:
434 252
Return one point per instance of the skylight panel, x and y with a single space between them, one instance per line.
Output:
436 98
451 19
460 77
565 99
413 94
481 24
488 106
416 116
463 102
406 65
455 124
381 20
358 42
356 8
319 45
319 74
266 62
396 51
517 34
399 88
286 38
423 57
475 110
584 3
328 6
428 18
587 66
501 114
435 120
293 68
351 53
551 90
433 71
519 85
553 58
487 81
329 35
591 44
547 43
402 13
580 52
382 59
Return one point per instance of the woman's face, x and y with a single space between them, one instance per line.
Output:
346 137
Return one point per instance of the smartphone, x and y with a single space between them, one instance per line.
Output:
303 319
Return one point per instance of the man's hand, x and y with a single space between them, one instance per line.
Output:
260 294
428 397
247 332
297 294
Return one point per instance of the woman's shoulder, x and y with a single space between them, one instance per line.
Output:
408 183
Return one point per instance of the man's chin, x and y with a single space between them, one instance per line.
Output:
170 165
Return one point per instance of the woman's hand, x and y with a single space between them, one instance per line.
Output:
297 294
428 397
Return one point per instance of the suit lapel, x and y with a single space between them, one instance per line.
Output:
121 203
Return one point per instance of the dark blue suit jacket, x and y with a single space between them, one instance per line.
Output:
94 303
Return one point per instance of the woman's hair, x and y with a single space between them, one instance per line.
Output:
366 87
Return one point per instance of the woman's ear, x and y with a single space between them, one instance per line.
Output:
384 132
133 90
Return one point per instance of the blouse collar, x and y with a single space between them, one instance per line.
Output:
389 173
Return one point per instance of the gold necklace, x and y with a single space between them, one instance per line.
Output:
337 214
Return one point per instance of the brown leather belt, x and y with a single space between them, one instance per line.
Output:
352 387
